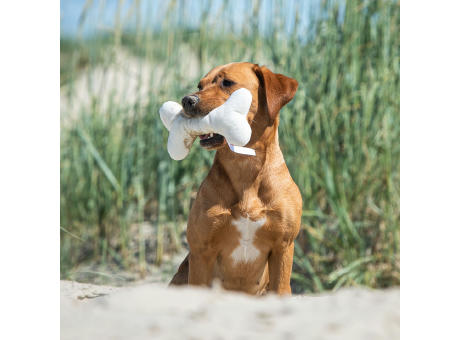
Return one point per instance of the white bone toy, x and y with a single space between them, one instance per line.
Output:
228 120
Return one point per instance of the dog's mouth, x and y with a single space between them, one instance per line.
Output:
211 140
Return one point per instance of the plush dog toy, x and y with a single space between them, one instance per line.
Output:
228 120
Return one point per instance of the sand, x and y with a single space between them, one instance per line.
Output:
156 312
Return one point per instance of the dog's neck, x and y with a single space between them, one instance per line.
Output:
248 173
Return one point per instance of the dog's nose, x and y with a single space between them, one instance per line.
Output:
188 102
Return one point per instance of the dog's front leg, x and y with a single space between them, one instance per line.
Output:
279 269
201 268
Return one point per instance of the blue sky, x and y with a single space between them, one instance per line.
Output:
101 14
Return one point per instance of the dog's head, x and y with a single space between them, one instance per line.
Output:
270 92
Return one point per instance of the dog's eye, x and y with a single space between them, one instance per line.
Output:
227 83
200 87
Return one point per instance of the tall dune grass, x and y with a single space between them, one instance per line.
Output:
339 136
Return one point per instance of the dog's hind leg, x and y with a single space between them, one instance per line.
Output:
181 277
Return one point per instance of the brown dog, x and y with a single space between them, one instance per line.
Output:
242 226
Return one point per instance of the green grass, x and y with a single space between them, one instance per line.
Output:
339 136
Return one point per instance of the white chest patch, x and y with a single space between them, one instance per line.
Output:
246 251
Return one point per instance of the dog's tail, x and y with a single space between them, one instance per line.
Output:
181 277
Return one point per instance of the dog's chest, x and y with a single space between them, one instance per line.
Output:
246 251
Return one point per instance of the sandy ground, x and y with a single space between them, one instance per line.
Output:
156 312
121 82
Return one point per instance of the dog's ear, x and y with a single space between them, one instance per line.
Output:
277 89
